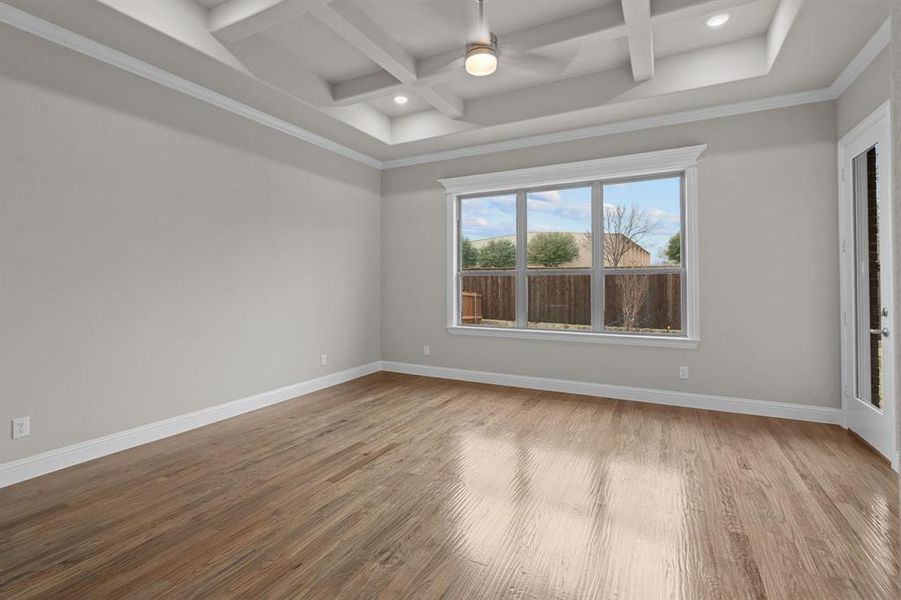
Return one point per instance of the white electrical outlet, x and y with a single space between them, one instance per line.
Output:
426 350
21 427
323 359
683 372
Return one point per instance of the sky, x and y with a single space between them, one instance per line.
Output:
570 210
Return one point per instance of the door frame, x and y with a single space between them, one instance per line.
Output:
875 128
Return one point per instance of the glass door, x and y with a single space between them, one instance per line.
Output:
867 284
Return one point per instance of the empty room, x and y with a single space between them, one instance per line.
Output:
464 299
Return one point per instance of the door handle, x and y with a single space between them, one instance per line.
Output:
883 332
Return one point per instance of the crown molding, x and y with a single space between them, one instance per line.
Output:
688 116
73 41
660 161
78 43
859 63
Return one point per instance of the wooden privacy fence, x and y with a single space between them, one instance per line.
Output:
650 300
472 308
497 294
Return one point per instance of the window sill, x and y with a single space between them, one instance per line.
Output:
619 339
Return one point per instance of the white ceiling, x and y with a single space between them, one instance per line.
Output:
333 67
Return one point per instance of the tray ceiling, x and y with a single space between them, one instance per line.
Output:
336 66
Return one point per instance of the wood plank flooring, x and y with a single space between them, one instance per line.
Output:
394 486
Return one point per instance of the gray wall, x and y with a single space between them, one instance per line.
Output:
768 278
158 256
867 93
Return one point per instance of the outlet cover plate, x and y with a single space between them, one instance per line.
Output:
21 427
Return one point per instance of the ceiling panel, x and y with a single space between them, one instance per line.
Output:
427 27
210 3
747 20
388 106
319 48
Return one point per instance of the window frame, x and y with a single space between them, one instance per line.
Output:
594 173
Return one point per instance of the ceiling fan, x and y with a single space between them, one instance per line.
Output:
482 52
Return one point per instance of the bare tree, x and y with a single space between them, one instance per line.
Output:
634 294
624 228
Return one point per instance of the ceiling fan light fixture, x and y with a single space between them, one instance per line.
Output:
481 58
481 62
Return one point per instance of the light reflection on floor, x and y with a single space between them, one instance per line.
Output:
549 508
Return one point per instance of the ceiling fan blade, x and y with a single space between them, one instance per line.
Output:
456 61
532 62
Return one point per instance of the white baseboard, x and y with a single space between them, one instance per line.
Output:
61 458
799 412
54 460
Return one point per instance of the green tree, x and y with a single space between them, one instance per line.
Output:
470 254
673 250
498 254
552 249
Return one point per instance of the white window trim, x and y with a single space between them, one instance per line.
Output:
681 160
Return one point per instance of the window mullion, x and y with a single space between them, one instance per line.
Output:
597 258
522 291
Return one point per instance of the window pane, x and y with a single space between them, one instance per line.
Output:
560 301
648 303
642 223
868 320
559 224
488 300
488 232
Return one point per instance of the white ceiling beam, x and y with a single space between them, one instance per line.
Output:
442 99
235 20
783 19
664 11
637 14
606 21
182 20
347 20
365 88
352 24
282 73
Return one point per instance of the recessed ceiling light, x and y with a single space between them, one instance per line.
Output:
401 99
718 20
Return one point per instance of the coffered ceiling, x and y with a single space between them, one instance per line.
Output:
334 67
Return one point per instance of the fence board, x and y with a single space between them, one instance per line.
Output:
567 298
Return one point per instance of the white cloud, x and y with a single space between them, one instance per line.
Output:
479 222
546 196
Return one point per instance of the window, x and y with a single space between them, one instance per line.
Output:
559 258
487 247
593 251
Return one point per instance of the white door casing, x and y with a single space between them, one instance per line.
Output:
876 425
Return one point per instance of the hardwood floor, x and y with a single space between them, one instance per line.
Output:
394 486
